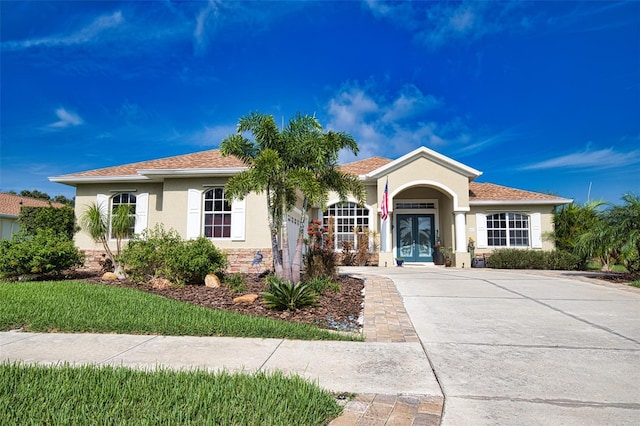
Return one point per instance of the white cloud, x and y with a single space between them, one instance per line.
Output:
84 35
393 124
436 24
211 136
66 119
600 159
204 21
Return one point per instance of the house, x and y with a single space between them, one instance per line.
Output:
10 205
431 198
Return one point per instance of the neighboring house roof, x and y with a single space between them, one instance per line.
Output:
11 204
490 193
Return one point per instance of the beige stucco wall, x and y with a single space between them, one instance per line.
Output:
168 205
424 172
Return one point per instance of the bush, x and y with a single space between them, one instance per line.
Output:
236 283
43 253
322 284
159 253
61 220
283 295
532 259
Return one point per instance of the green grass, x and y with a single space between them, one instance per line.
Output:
635 283
79 307
120 396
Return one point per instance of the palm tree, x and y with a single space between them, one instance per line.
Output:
299 160
314 157
95 222
615 235
573 220
265 172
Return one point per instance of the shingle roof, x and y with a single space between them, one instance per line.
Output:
10 204
492 192
211 159
362 167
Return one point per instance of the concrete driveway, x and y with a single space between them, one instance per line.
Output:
518 348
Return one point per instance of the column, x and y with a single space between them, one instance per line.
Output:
461 232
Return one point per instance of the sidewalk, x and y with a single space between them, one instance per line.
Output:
389 372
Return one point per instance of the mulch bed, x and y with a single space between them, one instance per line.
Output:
335 310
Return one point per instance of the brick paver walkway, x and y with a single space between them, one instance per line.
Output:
386 320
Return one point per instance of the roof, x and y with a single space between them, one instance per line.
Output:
11 204
491 193
212 162
211 159
362 167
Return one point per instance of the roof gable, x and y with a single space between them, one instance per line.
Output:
430 155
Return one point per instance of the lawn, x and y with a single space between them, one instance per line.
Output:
80 307
119 396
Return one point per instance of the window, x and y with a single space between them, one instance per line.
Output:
346 216
508 230
124 199
217 214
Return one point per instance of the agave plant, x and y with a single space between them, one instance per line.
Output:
284 295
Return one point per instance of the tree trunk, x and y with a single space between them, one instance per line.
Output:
296 264
286 257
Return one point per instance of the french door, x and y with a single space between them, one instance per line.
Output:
415 237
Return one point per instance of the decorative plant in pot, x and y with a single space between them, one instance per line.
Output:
448 258
399 261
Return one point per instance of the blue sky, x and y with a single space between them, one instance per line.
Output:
543 96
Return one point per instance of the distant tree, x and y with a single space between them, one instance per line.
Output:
64 200
35 194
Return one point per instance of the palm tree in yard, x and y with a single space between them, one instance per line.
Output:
315 160
265 173
95 222
615 235
299 160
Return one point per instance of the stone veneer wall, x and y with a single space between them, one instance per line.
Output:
239 260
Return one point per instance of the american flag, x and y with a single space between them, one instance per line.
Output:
385 202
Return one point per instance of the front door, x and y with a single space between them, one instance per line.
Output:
415 237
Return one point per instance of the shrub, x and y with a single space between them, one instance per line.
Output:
320 260
236 283
322 284
61 220
159 253
532 259
43 253
283 295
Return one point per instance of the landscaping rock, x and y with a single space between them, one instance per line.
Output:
109 276
249 299
212 281
160 283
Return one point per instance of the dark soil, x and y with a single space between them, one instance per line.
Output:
618 277
335 310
